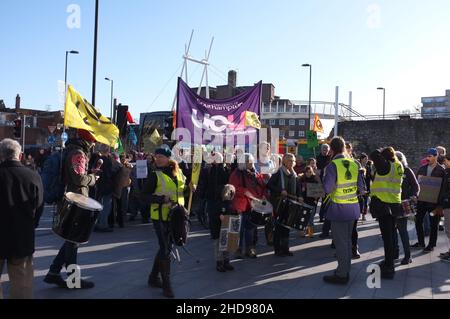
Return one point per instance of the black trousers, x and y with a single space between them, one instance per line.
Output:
281 239
434 225
387 228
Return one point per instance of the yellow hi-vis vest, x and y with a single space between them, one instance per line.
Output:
388 188
167 187
346 181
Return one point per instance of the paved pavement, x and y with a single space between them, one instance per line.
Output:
119 263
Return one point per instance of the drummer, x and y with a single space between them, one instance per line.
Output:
78 181
248 183
282 185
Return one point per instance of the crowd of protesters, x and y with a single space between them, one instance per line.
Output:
354 185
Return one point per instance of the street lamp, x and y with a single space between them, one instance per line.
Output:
65 85
65 74
310 81
384 101
112 93
94 72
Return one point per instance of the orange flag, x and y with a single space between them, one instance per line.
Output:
318 127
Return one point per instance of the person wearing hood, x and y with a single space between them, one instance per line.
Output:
77 180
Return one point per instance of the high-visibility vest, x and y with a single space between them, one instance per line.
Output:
346 181
388 188
166 187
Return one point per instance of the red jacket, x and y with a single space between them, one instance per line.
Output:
243 181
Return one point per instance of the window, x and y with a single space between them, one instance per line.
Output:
301 133
304 108
289 109
282 134
282 122
266 109
296 108
291 133
291 122
273 122
301 122
273 109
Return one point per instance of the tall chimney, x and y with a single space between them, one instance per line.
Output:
17 102
232 78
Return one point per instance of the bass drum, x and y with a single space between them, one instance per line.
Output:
76 219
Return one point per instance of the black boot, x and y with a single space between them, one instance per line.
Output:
165 272
396 253
355 253
227 265
220 267
153 279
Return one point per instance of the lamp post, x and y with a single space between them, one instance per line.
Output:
384 101
310 82
65 73
65 88
94 73
112 94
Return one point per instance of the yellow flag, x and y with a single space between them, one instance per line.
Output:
155 138
197 165
80 114
252 119
317 127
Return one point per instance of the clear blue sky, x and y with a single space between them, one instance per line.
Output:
356 44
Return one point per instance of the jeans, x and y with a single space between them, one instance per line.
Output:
106 201
402 228
434 225
20 272
247 232
67 256
165 244
341 232
387 228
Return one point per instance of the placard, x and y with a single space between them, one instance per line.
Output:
141 169
429 189
230 234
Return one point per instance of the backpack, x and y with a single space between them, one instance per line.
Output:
52 180
179 225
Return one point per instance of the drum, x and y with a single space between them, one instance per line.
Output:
76 218
408 208
295 215
261 212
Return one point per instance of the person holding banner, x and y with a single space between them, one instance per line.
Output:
248 184
165 186
445 202
428 205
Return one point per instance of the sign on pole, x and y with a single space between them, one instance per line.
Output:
312 140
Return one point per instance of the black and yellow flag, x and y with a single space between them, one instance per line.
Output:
80 114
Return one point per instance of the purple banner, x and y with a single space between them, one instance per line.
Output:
217 121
